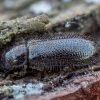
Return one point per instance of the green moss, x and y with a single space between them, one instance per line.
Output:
21 26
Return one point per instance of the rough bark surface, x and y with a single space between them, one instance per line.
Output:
82 88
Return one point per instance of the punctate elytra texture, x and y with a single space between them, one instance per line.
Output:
70 51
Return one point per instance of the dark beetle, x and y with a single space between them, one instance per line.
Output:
48 54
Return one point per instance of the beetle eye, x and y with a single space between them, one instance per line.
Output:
7 66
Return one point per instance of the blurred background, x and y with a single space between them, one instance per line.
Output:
10 9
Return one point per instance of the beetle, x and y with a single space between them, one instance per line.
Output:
75 51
